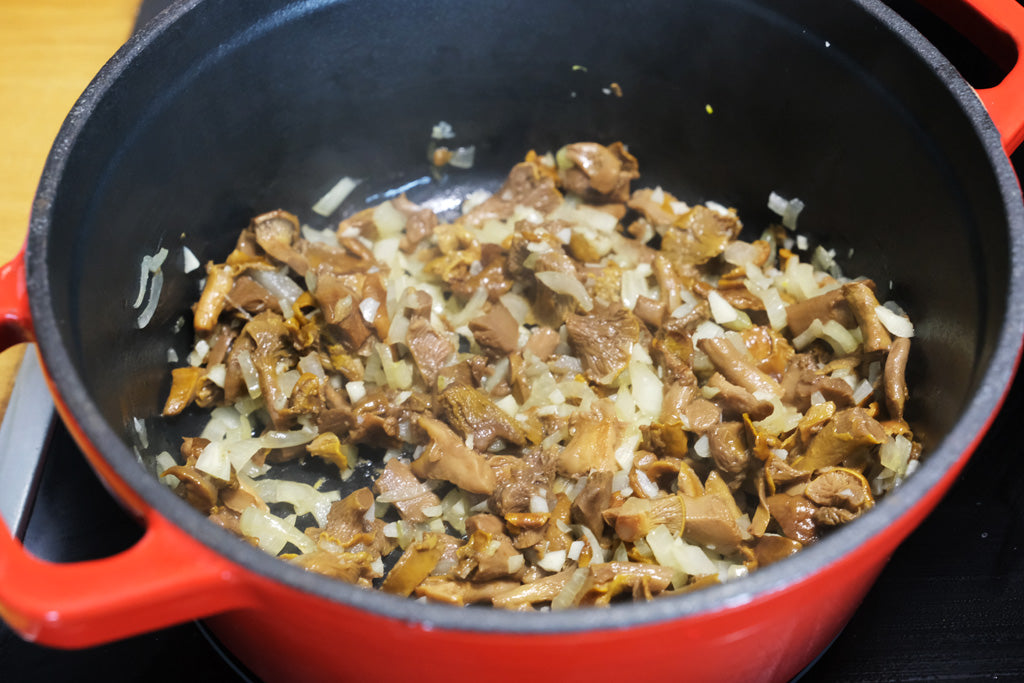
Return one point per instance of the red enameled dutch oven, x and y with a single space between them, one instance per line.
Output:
221 109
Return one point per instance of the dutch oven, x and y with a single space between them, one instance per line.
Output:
219 110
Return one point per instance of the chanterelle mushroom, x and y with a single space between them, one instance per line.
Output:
575 392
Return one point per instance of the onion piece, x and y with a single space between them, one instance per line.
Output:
302 497
272 533
281 286
896 324
463 157
190 261
334 197
156 284
564 283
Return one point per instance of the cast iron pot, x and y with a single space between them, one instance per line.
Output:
220 110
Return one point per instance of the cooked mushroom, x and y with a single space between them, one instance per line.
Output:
734 367
544 377
602 339
637 516
832 305
863 303
400 487
895 377
847 433
473 414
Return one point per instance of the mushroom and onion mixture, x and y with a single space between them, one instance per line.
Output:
574 393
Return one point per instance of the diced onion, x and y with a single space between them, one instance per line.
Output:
463 157
389 220
156 283
894 454
897 325
553 560
302 497
442 130
564 283
282 287
721 310
334 197
787 209
273 533
190 261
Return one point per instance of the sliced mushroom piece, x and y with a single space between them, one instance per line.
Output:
862 301
895 377
728 448
446 457
219 281
598 173
400 487
710 522
348 527
779 474
728 360
637 516
542 342
603 340
496 330
848 433
771 548
831 305
276 232
430 349
526 185
356 567
195 487
488 553
736 401
591 447
609 579
795 516
185 383
590 502
473 414
521 477
543 590
415 564
699 235
327 446
459 593
839 487
702 414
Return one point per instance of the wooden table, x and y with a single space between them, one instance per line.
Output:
49 51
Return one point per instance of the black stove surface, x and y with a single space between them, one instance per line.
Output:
949 606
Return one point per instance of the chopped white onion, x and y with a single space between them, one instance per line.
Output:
156 283
442 130
282 287
302 497
553 561
463 157
334 197
273 533
190 261
897 325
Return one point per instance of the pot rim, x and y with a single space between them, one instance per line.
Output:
918 493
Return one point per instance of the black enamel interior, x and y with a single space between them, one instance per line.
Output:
237 108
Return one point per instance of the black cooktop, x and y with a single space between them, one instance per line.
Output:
948 607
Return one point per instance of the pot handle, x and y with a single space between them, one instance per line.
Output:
15 317
976 19
164 579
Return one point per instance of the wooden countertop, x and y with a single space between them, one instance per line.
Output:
49 51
